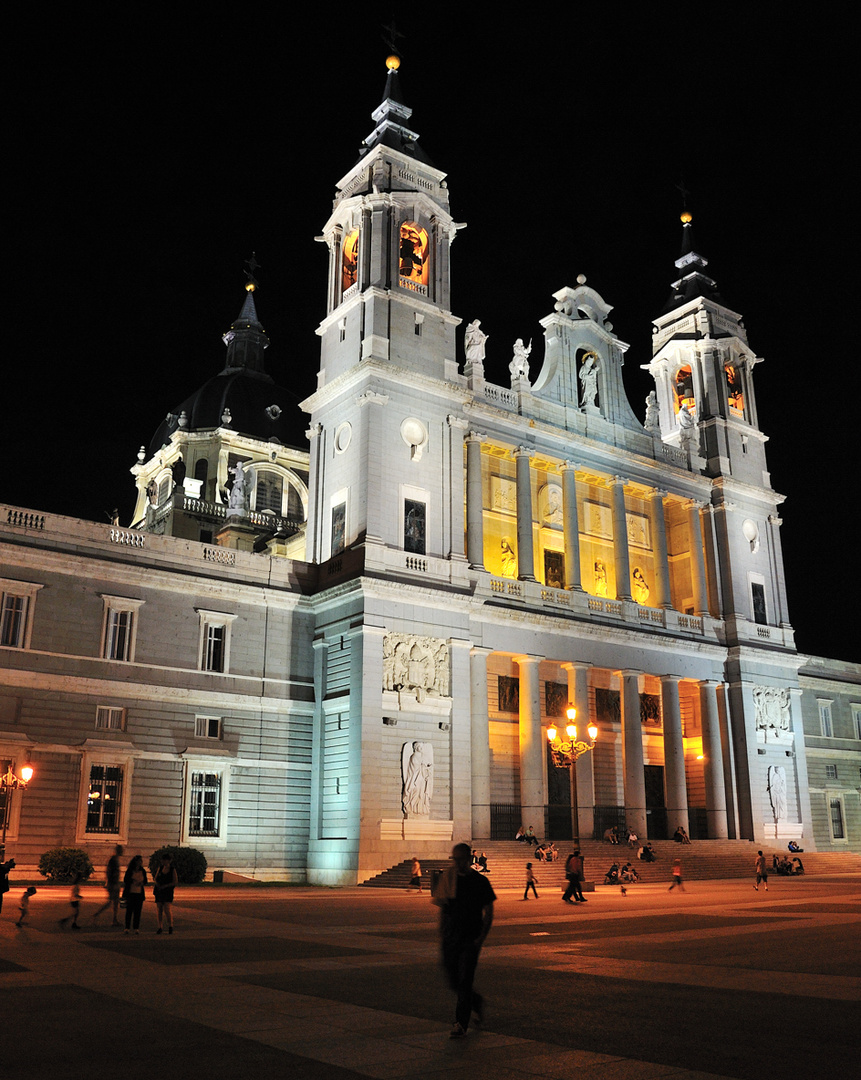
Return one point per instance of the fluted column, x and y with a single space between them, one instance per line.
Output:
570 526
479 730
713 761
632 754
620 541
584 771
531 744
525 555
698 565
474 501
663 592
674 755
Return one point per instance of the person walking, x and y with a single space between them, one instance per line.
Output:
677 876
531 881
163 883
761 869
466 902
134 882
74 901
416 875
24 905
112 884
575 873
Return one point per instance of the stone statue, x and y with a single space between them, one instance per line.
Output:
653 413
417 766
519 366
509 558
777 791
588 377
600 578
238 501
688 435
474 342
641 586
415 663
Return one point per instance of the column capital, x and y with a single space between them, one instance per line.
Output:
456 421
576 665
629 672
525 659
476 436
658 493
371 398
671 678
775 519
523 451
313 431
619 480
705 683
569 466
481 650
696 504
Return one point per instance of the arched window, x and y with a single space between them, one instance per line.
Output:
734 388
683 389
350 260
269 492
413 257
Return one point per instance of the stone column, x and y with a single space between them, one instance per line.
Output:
525 544
531 745
453 505
663 592
698 566
713 761
570 526
474 501
674 756
479 742
632 754
620 541
584 772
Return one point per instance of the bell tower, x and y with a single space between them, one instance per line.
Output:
383 404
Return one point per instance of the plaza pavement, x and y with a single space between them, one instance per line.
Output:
718 981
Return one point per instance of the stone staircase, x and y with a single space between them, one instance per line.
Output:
701 860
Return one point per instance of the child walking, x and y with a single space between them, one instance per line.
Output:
24 904
531 881
74 901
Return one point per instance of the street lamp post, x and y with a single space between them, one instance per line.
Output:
8 783
565 753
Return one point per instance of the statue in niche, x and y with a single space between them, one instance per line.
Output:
777 791
771 704
689 438
238 501
553 509
415 663
588 377
417 771
601 585
640 586
474 342
653 414
509 558
519 366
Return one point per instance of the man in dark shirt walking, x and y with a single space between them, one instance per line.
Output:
466 900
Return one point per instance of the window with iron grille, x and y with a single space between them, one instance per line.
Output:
836 813
204 804
104 799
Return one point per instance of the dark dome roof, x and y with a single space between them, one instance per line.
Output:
249 395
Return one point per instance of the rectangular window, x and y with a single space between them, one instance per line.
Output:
204 804
213 648
757 593
109 718
825 724
830 772
104 799
16 612
339 522
207 727
414 526
856 719
119 630
836 813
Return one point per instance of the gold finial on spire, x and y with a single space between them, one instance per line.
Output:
686 217
393 62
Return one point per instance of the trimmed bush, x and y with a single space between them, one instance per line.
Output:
189 862
61 864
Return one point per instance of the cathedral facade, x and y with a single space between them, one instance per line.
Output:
320 649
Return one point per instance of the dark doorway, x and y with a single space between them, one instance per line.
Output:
558 801
656 807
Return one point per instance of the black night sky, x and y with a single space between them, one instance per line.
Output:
154 147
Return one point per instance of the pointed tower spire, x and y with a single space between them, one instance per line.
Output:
694 282
390 118
246 339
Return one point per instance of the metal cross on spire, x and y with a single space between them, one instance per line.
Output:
251 265
390 36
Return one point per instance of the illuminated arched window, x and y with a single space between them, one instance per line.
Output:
683 389
413 257
734 389
270 492
350 260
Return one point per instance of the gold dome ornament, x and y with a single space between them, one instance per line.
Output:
393 62
686 218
